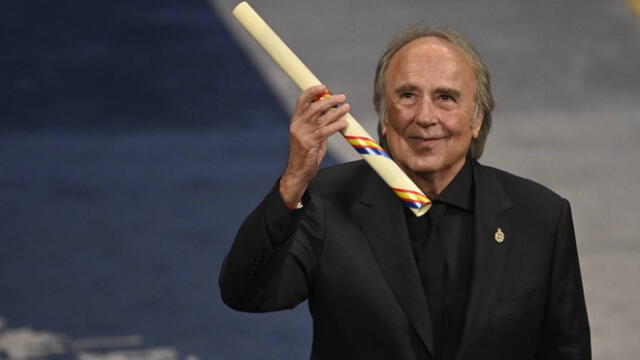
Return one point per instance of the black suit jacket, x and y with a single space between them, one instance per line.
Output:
348 252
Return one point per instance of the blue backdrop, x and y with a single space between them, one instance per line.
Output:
134 138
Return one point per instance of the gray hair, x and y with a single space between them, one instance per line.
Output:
484 97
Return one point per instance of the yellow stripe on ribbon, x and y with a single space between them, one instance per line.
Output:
363 141
412 195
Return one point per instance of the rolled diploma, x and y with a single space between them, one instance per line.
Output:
354 133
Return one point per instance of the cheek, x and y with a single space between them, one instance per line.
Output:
397 119
459 125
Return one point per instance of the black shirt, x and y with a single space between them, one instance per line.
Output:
442 242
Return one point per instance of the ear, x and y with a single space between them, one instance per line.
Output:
477 124
381 128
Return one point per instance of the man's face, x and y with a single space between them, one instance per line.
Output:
430 91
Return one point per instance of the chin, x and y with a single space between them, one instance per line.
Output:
424 167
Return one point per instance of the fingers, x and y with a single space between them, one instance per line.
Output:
311 130
309 95
332 128
310 109
323 106
318 127
327 121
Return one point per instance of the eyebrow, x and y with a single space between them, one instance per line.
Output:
440 90
405 88
449 91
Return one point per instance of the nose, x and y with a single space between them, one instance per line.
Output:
425 115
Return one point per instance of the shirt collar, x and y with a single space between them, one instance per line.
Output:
459 192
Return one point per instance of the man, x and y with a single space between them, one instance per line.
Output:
491 272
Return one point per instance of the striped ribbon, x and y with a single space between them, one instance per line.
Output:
366 146
412 199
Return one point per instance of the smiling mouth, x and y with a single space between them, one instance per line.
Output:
425 140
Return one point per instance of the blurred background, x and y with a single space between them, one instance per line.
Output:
135 137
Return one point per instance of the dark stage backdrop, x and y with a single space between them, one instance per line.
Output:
134 138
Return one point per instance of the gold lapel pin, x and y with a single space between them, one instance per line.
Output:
499 235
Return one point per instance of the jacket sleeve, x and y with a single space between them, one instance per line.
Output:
566 333
272 259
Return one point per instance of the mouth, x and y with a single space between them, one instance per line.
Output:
429 140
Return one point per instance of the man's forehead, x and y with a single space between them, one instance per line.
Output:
429 48
429 57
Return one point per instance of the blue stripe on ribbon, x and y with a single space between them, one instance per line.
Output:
413 204
371 151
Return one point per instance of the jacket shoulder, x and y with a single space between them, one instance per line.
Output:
525 191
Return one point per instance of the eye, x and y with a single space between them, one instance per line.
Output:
446 97
407 98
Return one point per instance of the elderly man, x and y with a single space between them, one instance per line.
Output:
490 273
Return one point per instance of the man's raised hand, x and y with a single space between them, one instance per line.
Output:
311 125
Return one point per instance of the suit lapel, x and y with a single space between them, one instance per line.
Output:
380 215
489 253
